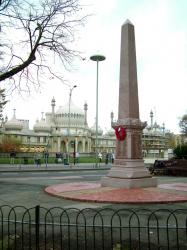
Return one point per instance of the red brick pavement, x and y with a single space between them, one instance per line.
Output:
93 192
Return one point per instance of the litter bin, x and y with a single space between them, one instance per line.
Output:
66 162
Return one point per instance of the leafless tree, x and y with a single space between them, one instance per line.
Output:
4 4
32 34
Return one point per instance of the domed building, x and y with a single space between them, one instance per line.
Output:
69 128
14 124
155 139
62 130
66 130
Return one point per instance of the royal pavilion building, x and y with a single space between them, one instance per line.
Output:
66 130
59 132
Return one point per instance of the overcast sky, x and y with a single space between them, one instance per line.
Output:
161 50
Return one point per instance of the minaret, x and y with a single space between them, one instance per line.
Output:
53 108
163 128
151 116
85 113
128 170
112 117
14 113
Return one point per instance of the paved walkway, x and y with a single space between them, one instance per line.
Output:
93 192
52 167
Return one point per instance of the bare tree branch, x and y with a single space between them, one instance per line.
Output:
47 26
4 4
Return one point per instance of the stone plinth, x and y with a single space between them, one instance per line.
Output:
129 170
129 174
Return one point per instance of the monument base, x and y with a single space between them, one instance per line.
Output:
130 173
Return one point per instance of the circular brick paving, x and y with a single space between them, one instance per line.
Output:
93 192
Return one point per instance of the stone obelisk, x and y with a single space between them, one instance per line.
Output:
128 170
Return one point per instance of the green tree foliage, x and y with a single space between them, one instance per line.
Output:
171 140
180 151
183 125
9 144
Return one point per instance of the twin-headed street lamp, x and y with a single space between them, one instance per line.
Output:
97 58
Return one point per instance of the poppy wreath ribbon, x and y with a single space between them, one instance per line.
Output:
120 133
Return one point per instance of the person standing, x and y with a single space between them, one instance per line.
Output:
100 157
12 157
46 157
107 158
65 157
37 159
112 158
77 157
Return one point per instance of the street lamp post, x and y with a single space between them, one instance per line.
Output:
69 109
97 58
46 153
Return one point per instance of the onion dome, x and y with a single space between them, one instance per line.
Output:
111 132
93 130
14 124
77 116
146 130
154 130
42 126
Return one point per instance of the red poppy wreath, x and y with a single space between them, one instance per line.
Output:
120 133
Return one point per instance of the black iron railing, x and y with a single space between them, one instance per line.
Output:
58 228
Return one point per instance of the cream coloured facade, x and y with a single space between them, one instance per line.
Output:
59 132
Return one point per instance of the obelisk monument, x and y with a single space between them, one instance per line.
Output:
128 170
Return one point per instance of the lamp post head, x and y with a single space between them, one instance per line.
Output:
97 58
71 89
